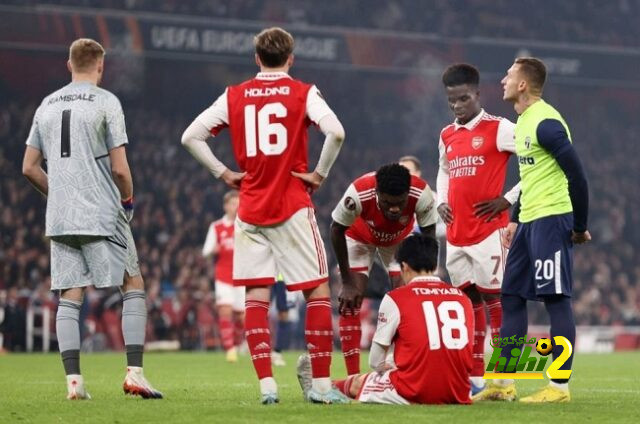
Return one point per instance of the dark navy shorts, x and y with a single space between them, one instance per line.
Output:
540 259
279 292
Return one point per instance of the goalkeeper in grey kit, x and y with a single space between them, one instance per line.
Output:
79 130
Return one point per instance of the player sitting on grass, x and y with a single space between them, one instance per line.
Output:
429 323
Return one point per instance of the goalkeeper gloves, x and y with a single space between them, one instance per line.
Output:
127 205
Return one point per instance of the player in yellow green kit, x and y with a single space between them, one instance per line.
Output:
550 217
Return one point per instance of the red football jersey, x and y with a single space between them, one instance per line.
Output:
476 156
431 325
358 210
268 118
268 124
224 258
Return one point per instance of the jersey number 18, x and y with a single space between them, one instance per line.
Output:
441 323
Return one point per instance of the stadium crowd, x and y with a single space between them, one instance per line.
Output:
588 22
176 200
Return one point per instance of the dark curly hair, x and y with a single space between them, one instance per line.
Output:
460 73
393 179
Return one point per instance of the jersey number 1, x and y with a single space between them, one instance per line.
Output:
65 134
265 129
442 322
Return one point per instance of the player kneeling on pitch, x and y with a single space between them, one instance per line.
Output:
80 131
428 322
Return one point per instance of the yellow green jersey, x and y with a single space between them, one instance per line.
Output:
545 189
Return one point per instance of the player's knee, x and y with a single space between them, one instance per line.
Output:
258 293
75 294
357 385
132 282
319 291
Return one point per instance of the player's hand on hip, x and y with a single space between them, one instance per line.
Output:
232 178
508 233
127 205
580 238
312 180
350 299
444 210
491 208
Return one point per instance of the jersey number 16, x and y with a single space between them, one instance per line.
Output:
265 129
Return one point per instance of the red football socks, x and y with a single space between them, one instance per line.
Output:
350 335
319 336
259 336
495 316
226 333
480 330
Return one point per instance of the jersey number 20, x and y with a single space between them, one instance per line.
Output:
442 323
265 129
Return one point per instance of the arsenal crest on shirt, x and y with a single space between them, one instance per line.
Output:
476 142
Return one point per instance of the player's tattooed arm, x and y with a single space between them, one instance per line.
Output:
32 169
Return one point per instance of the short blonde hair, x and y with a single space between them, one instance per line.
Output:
84 53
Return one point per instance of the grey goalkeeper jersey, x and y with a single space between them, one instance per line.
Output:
74 128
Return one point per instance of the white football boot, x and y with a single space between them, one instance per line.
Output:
75 388
135 384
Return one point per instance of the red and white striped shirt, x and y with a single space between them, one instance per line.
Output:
358 209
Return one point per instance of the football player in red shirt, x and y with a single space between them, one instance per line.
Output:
429 324
276 229
229 299
474 151
377 212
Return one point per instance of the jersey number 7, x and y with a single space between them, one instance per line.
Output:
442 323
265 129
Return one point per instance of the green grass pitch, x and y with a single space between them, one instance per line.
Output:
202 387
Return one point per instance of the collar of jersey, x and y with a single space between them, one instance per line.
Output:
471 124
426 279
272 75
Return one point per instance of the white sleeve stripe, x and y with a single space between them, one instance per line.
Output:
367 197
369 191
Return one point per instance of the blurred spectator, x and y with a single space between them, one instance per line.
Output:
385 116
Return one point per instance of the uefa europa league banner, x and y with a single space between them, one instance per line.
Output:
50 29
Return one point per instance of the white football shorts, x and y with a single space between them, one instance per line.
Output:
481 264
362 255
293 247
